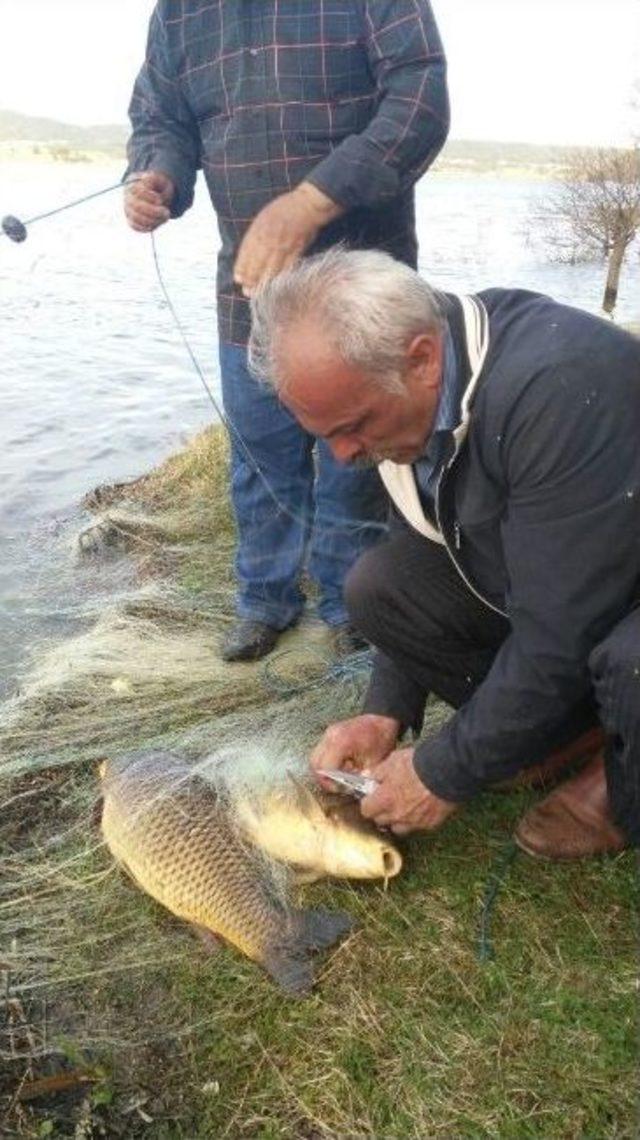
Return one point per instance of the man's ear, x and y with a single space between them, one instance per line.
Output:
424 355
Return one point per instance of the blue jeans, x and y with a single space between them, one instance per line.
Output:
295 506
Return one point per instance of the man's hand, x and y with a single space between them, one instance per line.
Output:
402 802
147 199
352 744
280 233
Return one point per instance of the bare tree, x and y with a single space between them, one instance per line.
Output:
595 210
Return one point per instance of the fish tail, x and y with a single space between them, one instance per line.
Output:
291 967
289 963
320 928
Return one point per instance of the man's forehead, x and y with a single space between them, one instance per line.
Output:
311 367
323 392
302 340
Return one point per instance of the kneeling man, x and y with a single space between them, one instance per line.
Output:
506 428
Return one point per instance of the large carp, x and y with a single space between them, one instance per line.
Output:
175 836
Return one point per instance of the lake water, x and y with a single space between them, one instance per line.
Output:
95 383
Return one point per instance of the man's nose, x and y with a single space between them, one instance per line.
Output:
345 448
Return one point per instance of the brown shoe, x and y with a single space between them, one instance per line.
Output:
574 821
548 772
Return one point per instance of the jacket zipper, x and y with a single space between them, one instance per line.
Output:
458 542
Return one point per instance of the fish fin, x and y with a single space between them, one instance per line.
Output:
306 799
291 968
304 875
320 928
209 940
289 962
128 877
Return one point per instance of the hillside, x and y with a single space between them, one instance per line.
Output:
22 133
25 135
481 157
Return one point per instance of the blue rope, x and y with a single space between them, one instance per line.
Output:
496 880
351 668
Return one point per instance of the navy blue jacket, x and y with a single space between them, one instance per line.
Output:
540 511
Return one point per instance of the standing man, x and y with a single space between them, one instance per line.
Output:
311 122
507 430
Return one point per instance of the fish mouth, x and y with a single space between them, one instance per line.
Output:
391 862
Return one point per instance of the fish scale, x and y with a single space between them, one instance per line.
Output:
173 833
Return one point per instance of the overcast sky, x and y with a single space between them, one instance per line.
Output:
558 71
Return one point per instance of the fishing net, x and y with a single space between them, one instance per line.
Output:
142 670
147 663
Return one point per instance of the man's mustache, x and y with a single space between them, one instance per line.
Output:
364 462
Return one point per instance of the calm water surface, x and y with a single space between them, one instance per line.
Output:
96 386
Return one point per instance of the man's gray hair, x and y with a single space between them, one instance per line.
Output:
369 306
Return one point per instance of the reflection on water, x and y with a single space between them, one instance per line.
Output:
95 384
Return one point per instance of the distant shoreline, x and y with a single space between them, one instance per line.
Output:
17 129
63 154
28 138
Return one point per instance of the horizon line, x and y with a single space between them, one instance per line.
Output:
124 126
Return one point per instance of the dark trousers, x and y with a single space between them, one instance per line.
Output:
407 598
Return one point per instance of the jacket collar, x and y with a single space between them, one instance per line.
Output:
468 321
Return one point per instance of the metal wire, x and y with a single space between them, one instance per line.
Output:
338 524
71 205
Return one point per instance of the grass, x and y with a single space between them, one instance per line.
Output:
408 1033
411 1032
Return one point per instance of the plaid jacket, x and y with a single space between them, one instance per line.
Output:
350 95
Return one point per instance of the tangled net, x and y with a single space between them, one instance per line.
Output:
142 670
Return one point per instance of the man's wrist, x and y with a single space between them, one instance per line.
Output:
389 725
322 207
386 718
438 777
393 711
